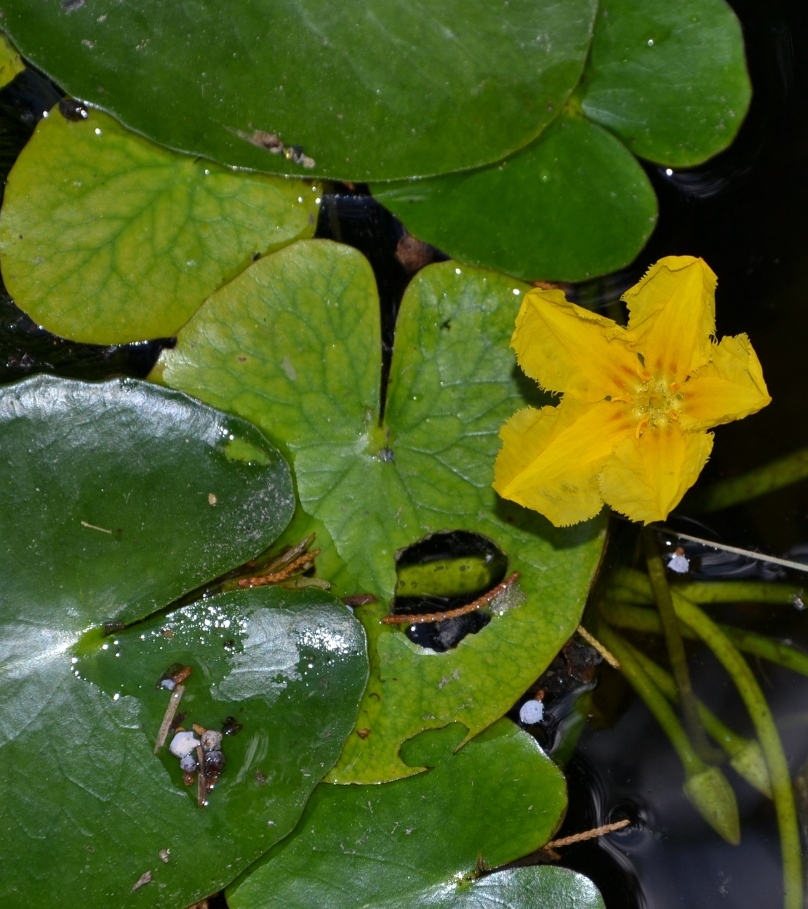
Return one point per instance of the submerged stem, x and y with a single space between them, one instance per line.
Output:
676 647
745 754
705 786
767 734
754 483
639 618
654 700
634 586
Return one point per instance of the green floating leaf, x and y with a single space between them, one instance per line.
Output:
413 842
107 238
534 887
121 497
10 63
572 205
477 100
294 343
381 92
669 79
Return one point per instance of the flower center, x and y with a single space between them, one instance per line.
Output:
655 404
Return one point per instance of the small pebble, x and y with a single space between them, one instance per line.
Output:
214 762
531 712
231 726
679 563
188 763
211 739
183 743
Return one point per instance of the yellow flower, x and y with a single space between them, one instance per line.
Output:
630 430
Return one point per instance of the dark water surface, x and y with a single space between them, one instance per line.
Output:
745 213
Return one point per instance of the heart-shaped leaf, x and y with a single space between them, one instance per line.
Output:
378 488
369 91
669 79
119 498
547 212
108 238
494 107
415 842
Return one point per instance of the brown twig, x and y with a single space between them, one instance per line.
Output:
275 577
201 780
484 600
168 716
587 834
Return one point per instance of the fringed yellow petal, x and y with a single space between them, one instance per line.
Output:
630 429
647 477
550 458
731 387
566 348
672 316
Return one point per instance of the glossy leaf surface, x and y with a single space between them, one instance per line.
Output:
369 90
409 842
534 887
523 119
108 238
124 496
668 78
549 212
294 344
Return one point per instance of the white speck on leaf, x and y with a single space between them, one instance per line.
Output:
144 879
288 367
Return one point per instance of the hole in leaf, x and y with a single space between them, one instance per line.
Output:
443 572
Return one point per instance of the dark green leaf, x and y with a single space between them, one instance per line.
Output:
120 497
403 844
534 887
372 90
668 78
572 205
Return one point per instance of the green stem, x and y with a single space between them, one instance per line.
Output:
706 592
745 752
637 618
754 483
705 786
676 647
654 700
768 736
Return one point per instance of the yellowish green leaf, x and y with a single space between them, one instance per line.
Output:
294 344
107 238
10 62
